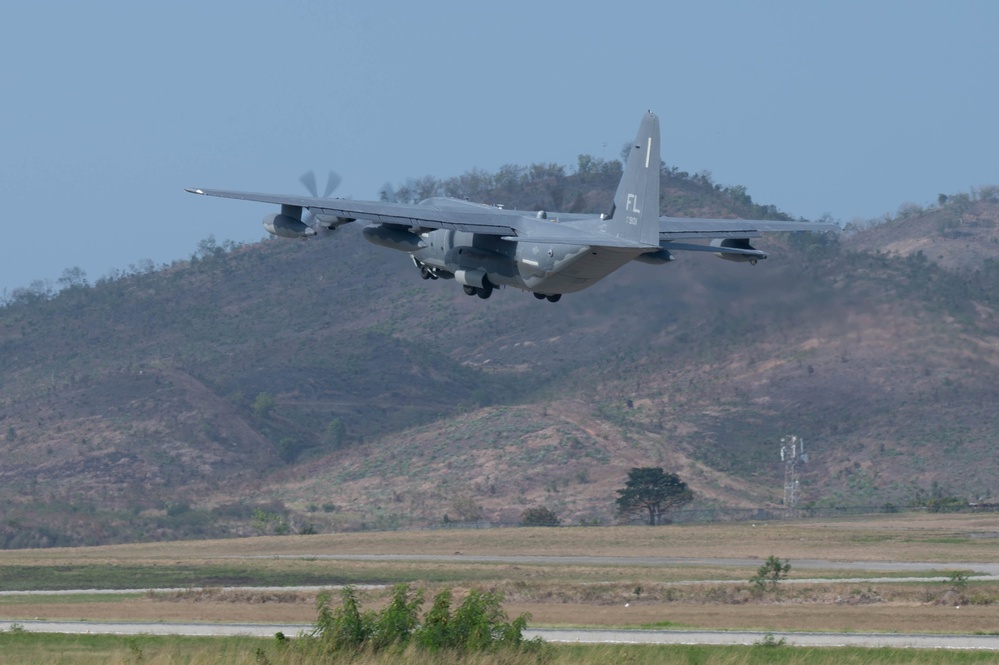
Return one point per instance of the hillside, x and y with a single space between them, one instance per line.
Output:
714 380
958 234
284 383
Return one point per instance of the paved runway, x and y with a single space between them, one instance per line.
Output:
718 637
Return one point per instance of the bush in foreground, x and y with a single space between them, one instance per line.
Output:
477 625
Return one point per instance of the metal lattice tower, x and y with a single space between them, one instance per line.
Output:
792 454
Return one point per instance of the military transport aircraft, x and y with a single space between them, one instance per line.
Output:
482 246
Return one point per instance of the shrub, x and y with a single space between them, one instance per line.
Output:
396 623
343 628
771 573
769 641
479 624
539 517
959 580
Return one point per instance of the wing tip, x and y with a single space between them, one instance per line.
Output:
193 191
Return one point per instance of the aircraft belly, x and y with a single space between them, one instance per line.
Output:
458 250
582 270
539 267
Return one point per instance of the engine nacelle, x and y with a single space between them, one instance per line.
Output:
287 227
333 223
739 250
392 237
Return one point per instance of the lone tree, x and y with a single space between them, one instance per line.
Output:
539 517
653 491
771 573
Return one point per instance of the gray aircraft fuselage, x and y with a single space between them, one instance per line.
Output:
538 267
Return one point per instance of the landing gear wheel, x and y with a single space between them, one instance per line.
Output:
555 297
540 296
469 290
424 273
486 290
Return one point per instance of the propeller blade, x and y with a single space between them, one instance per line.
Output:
311 219
309 180
332 182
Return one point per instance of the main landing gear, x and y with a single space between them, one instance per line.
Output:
483 292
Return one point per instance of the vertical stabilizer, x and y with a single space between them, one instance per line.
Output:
636 204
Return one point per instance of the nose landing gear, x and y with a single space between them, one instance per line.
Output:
426 272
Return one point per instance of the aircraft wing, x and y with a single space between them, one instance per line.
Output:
489 221
681 228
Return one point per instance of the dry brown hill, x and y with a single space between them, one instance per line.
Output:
959 234
281 384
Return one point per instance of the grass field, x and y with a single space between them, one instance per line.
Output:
617 594
29 649
948 539
819 607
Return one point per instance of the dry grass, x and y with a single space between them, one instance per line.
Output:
889 618
906 537
885 617
112 650
611 595
888 607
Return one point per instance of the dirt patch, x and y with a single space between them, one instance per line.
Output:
881 618
233 596
949 539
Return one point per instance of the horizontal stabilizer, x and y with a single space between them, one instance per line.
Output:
580 238
677 228
721 249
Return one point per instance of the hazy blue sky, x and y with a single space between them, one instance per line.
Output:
110 109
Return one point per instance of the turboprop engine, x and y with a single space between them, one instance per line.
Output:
288 223
286 226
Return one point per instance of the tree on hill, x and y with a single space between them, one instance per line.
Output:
465 510
540 516
652 491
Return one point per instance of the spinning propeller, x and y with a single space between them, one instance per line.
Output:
324 227
309 180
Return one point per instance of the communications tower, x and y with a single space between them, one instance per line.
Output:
792 454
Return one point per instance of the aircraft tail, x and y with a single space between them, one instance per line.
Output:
635 215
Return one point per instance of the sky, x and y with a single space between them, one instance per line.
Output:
110 109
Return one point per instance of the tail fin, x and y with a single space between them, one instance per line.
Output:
635 215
